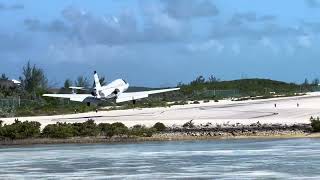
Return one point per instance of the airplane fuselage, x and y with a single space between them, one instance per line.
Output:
111 90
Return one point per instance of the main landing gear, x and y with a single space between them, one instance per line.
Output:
89 104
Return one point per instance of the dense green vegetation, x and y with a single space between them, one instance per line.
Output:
31 129
315 124
246 87
20 130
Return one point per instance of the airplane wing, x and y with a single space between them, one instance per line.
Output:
142 94
72 97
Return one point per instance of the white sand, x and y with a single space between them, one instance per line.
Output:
223 112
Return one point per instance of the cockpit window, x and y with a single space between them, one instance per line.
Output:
124 81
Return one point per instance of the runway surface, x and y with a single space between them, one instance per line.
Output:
290 110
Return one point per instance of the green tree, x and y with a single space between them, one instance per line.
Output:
198 80
306 82
213 79
82 82
66 86
33 79
3 77
67 83
315 82
102 80
315 124
180 84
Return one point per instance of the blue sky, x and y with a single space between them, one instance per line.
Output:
162 42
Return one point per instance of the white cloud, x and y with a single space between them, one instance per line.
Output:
266 42
72 52
305 41
206 46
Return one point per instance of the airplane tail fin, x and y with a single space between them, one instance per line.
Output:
97 81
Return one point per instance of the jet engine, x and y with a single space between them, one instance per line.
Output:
94 93
116 92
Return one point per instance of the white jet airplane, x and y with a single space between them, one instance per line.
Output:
115 90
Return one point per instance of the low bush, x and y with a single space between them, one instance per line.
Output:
20 130
119 129
59 130
180 103
141 131
116 129
159 127
315 124
104 128
88 128
188 124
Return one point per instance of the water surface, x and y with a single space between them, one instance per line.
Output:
218 159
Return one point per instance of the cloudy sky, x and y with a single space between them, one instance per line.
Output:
162 42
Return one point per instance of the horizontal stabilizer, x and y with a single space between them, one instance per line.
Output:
78 88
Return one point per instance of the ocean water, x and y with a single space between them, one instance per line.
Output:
216 159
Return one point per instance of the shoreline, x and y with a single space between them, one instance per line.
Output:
185 134
83 141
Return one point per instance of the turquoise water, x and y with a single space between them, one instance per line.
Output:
218 159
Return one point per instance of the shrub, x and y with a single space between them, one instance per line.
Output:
118 125
88 128
315 124
180 103
59 130
188 124
20 130
7 112
141 131
159 126
119 129
114 129
196 102
104 128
